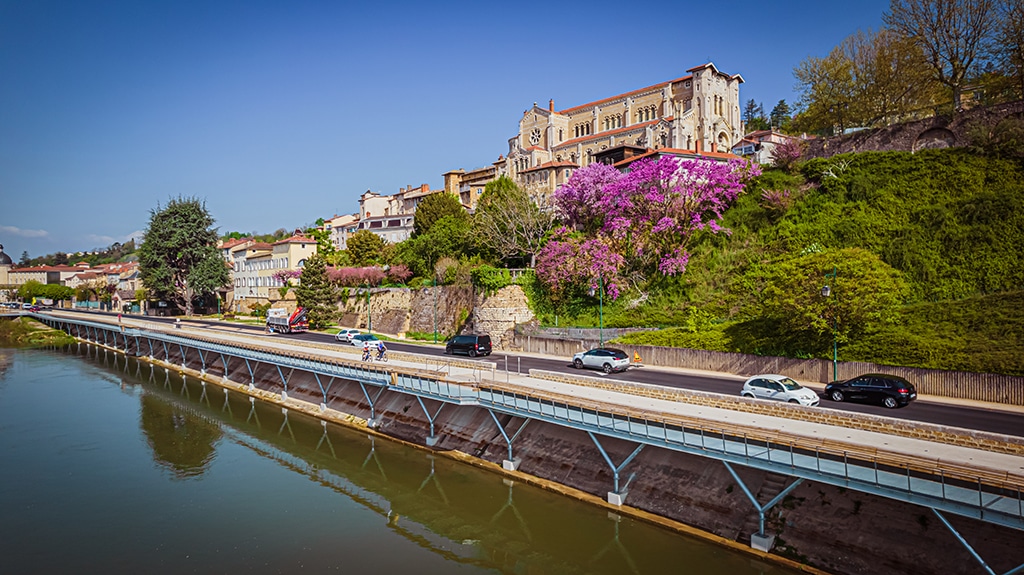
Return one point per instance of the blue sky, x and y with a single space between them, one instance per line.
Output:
277 113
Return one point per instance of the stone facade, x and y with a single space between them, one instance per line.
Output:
497 315
699 111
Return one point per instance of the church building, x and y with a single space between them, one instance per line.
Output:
699 112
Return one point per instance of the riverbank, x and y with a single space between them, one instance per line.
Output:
25 332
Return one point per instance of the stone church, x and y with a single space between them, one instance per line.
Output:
698 113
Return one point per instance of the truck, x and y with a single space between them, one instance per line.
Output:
284 323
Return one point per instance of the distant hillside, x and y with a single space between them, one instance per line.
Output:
928 253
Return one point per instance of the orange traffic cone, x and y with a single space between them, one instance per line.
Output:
637 358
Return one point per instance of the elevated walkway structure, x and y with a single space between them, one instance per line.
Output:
951 479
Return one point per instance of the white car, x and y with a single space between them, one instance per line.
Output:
604 358
346 334
779 388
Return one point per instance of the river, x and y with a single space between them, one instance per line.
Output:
111 465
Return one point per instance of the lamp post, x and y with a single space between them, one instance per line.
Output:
826 292
435 308
600 303
369 318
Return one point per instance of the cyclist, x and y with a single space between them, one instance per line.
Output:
382 350
366 350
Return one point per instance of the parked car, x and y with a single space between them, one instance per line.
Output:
346 334
471 344
778 388
607 359
359 338
891 391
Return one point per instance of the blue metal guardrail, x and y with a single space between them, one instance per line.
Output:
941 487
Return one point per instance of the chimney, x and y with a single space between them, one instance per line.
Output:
696 146
714 147
551 105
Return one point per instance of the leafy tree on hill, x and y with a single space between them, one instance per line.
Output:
365 248
433 208
317 294
508 222
780 115
178 258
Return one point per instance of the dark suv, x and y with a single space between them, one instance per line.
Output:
890 390
471 344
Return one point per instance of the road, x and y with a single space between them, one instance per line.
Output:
923 410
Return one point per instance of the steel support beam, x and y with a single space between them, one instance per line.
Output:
977 557
510 464
618 496
763 540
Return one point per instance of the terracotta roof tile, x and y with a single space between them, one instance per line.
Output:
623 95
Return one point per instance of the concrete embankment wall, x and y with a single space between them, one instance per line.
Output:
837 530
831 528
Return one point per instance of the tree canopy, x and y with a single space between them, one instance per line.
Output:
317 294
433 208
365 248
508 222
178 258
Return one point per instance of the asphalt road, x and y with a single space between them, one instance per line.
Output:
963 416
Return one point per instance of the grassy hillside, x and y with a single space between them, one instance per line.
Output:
927 254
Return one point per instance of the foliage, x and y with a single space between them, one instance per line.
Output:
355 277
508 222
787 293
34 289
787 153
398 274
869 79
317 294
178 259
259 309
648 216
490 279
577 200
780 116
1005 139
365 248
570 263
1007 45
951 35
435 207
26 332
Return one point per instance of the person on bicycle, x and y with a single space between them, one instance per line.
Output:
366 350
381 350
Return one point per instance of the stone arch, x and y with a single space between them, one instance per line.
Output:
723 141
934 138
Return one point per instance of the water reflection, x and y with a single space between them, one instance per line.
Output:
181 442
458 512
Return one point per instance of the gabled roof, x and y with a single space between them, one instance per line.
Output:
588 105
232 243
550 165
296 239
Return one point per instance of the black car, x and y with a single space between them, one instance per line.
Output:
892 391
470 344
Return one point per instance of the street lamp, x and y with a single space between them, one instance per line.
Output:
826 292
600 295
369 318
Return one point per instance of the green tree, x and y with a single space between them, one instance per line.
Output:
365 248
508 222
433 208
178 259
24 261
865 294
317 294
780 115
1007 47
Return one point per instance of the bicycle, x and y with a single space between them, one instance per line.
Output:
382 356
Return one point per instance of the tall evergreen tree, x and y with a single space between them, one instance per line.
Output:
317 294
178 258
780 114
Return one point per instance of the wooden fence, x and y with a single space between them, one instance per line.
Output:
1006 389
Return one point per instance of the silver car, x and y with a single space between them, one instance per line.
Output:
779 388
607 359
346 334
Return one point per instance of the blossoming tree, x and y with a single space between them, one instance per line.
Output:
646 218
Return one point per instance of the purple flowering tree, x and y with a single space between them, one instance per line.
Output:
639 223
570 261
